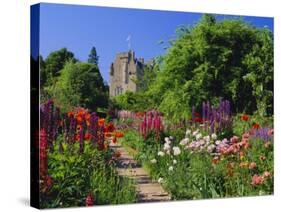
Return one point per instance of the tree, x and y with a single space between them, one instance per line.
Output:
80 85
213 59
93 57
55 62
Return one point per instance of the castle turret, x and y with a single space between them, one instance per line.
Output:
124 72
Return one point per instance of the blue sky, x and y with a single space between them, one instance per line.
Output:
78 28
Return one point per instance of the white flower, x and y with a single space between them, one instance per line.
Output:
168 152
187 132
207 138
161 153
153 161
171 168
174 161
160 180
202 142
166 147
183 142
167 140
198 136
176 150
211 148
217 142
195 132
214 136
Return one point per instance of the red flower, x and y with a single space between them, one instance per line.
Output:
245 117
87 136
256 126
89 200
197 119
109 128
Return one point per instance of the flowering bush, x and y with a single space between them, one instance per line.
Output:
203 164
76 166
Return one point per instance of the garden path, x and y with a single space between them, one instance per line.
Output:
148 190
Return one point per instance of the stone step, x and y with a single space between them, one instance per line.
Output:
147 190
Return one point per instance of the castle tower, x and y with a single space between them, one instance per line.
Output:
124 72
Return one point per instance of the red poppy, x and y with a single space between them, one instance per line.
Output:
245 117
114 140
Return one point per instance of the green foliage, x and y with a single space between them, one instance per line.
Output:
93 57
76 175
212 59
131 101
53 64
80 84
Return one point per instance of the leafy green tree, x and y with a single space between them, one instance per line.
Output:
212 59
93 57
80 84
259 62
55 62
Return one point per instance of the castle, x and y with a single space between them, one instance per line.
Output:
125 71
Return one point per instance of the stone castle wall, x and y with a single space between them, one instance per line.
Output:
124 72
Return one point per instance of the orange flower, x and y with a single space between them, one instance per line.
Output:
79 119
244 117
87 116
69 114
101 122
119 134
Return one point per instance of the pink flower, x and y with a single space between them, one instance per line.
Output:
257 180
270 132
234 139
266 174
89 200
